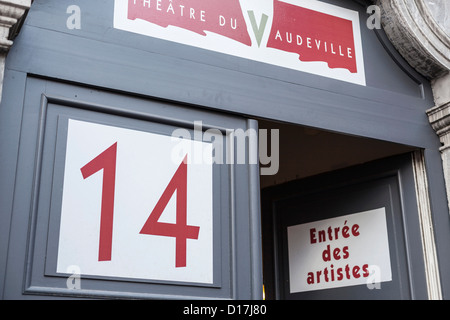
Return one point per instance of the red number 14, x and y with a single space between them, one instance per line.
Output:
180 230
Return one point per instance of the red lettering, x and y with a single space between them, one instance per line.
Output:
330 234
340 276
180 230
314 26
226 20
318 276
336 254
310 278
336 233
347 271
355 230
355 272
365 269
322 236
330 274
345 251
326 254
312 235
345 233
105 161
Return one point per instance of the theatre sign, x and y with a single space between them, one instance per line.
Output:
304 35
344 251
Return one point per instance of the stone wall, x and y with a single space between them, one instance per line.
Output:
11 11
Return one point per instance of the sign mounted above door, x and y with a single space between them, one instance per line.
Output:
337 252
308 35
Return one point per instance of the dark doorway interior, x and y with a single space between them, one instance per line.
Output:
314 164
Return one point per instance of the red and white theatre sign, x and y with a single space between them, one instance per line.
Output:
305 35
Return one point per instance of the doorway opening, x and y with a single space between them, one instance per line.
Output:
305 155
306 152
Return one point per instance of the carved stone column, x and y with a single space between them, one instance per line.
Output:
439 117
11 11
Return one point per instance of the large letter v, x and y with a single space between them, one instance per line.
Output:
259 31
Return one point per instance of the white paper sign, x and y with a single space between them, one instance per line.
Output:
344 251
134 208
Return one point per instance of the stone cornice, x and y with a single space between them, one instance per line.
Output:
439 118
10 13
412 29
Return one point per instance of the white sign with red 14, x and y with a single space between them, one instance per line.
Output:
134 208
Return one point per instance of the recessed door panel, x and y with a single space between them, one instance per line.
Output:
345 235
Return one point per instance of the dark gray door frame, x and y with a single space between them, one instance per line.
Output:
30 216
400 170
